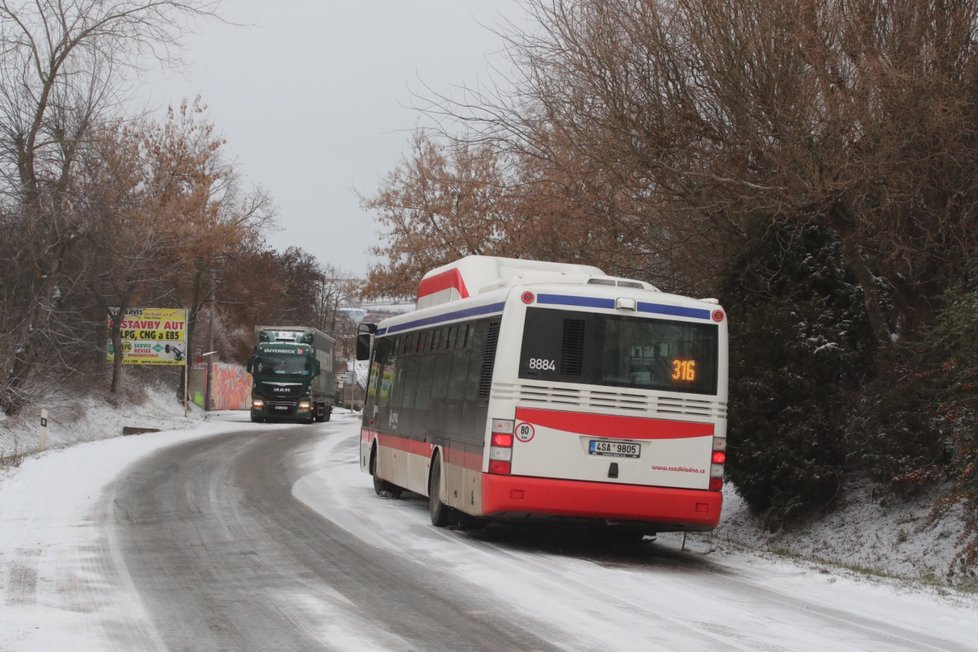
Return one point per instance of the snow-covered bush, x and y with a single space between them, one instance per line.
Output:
799 346
954 341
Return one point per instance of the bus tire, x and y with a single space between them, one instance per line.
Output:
441 514
382 486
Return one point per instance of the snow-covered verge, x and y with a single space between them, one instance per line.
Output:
75 416
885 539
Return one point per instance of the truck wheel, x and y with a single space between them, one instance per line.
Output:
329 413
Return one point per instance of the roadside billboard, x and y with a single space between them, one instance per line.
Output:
153 336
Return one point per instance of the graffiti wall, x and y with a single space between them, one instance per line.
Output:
230 387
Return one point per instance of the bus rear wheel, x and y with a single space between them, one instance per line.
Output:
441 514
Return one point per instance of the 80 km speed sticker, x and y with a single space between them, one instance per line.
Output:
524 432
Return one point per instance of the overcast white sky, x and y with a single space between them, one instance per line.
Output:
314 99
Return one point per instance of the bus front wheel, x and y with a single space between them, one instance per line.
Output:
440 512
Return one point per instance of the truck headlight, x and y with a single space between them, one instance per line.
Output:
304 405
257 404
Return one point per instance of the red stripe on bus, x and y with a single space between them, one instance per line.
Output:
454 456
615 427
459 457
451 278
518 495
412 446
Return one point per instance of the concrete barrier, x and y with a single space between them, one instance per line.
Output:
132 430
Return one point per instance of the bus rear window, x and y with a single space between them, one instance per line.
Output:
619 351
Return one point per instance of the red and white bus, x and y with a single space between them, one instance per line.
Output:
532 388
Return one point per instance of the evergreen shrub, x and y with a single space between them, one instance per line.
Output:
799 345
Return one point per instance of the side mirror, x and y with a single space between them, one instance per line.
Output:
365 334
363 346
251 364
316 367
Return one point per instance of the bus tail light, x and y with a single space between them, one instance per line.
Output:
717 460
501 447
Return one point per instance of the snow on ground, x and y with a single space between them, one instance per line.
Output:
74 417
895 539
772 596
877 537
49 536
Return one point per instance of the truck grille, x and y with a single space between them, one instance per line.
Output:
280 391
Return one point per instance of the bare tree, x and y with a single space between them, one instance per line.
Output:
709 120
338 288
440 204
211 220
60 72
149 195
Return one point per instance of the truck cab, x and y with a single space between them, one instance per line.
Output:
290 382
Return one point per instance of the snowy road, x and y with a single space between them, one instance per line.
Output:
242 538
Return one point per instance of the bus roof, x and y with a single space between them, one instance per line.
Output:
473 275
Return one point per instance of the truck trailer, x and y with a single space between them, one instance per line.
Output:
292 374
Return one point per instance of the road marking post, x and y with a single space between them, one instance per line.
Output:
44 429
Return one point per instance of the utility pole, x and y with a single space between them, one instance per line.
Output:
356 315
352 376
208 403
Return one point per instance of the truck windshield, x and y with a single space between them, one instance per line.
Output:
282 364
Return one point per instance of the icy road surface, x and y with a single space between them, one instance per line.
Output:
238 537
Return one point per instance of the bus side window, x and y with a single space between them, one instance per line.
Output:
379 371
475 405
455 399
469 386
409 382
439 391
426 374
372 382
488 359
